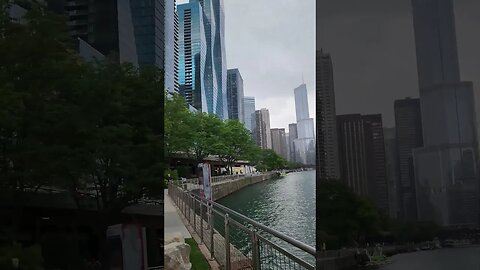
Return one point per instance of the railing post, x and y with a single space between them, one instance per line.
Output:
194 216
255 251
227 243
189 202
212 246
201 221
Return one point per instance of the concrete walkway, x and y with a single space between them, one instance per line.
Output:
173 222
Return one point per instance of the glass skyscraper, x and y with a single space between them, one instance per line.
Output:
249 112
214 72
235 94
305 142
192 55
446 177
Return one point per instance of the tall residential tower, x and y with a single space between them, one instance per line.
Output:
327 145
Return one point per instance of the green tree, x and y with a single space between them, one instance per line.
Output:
235 142
344 217
178 126
67 123
206 133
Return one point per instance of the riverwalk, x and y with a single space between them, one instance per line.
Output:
233 240
173 222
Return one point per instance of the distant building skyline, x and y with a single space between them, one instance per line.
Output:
249 113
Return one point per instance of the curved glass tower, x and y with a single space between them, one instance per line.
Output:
213 76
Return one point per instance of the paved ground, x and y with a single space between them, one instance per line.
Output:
173 222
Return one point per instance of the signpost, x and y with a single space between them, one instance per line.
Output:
205 180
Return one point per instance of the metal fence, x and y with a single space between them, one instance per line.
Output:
238 242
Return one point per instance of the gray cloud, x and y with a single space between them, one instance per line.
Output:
373 49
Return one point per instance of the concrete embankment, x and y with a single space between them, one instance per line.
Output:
223 189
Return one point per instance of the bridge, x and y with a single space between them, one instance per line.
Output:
233 240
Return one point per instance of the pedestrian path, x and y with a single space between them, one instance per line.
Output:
173 222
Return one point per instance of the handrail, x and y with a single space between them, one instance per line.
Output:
286 238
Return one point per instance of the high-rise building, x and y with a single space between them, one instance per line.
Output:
305 142
446 176
220 57
130 31
327 145
171 23
435 40
208 27
235 94
144 33
263 136
408 123
279 142
149 18
249 113
391 166
351 144
292 136
375 153
192 56
287 139
362 156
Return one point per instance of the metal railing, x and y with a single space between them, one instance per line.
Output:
238 242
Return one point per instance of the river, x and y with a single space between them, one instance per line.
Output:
463 258
286 204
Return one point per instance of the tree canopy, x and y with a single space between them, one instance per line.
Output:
199 135
73 124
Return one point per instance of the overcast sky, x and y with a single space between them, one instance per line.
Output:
373 51
272 42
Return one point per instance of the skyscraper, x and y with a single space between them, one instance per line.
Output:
446 176
408 123
171 23
279 142
327 145
220 57
351 143
375 156
435 40
235 94
305 142
391 166
292 136
362 156
149 27
249 113
130 31
263 136
213 76
192 57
